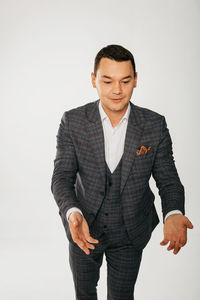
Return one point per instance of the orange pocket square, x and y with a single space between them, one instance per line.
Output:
143 150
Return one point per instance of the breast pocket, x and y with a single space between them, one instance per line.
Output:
143 164
145 157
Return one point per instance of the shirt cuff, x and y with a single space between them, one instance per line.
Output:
172 212
72 209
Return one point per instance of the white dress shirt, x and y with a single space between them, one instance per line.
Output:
114 140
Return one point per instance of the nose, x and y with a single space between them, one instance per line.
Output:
117 88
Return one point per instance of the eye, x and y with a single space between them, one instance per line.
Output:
126 81
107 82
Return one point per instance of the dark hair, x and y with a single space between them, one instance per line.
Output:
115 52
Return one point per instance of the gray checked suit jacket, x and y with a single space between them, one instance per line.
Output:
79 169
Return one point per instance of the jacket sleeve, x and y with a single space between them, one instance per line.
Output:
65 169
165 174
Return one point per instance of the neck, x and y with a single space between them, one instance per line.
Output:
115 116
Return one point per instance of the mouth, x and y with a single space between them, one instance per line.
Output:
116 100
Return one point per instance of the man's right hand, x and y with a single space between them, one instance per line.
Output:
80 232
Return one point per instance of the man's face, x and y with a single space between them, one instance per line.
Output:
114 82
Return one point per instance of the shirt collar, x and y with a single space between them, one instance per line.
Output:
104 115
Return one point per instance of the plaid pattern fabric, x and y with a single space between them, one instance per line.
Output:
123 263
123 260
109 217
79 169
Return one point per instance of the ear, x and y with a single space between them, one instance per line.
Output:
93 80
135 80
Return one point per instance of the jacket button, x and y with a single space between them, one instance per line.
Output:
110 183
105 226
101 193
106 214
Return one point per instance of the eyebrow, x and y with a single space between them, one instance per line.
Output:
126 77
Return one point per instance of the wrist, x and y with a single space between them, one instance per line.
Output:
72 209
170 217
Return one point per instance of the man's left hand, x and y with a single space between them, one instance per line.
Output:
175 232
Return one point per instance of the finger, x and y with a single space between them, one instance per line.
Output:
176 248
91 240
87 235
90 246
85 249
164 242
82 245
171 245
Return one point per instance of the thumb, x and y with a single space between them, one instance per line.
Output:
164 242
189 225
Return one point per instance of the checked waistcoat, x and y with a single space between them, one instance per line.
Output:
109 218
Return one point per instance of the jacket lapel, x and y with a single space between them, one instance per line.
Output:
132 140
96 138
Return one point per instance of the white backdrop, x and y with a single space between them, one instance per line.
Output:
47 50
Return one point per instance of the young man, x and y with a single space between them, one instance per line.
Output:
106 153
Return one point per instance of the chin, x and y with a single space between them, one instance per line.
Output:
117 107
